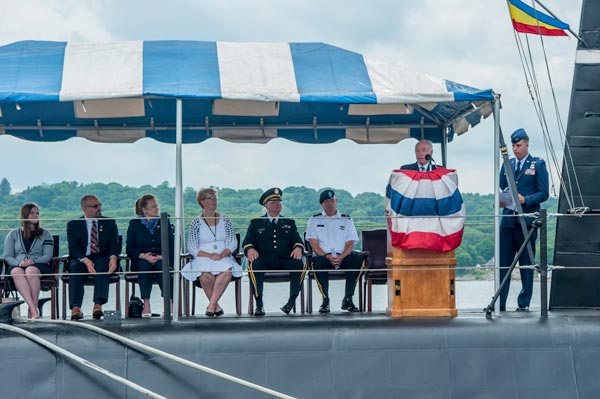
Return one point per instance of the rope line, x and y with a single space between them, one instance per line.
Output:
414 268
376 218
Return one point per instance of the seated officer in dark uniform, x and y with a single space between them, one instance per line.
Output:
273 243
332 236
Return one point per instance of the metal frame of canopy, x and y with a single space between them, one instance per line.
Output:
441 109
444 143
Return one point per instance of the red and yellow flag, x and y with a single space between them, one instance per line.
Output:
526 19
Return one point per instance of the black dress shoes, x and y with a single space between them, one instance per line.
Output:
219 312
324 306
260 309
210 314
287 308
348 305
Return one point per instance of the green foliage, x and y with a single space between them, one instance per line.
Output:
4 188
59 202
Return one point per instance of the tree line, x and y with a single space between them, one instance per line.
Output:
59 202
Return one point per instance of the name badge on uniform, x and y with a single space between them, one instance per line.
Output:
320 225
261 230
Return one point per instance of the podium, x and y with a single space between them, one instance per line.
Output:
425 225
421 282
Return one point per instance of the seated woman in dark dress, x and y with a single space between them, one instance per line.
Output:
28 252
144 247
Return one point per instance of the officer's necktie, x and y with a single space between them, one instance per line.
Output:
518 169
94 238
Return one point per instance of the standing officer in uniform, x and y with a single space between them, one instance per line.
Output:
531 178
273 243
332 236
422 149
93 248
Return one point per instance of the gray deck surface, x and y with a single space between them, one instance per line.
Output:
335 356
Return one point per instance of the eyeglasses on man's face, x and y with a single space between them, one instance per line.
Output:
95 206
212 197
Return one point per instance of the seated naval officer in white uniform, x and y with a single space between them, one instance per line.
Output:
332 236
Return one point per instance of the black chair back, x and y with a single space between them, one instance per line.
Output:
375 242
56 248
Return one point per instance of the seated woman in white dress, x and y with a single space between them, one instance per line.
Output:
211 243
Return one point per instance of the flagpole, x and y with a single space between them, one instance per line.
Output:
554 16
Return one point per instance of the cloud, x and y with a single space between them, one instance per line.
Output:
470 42
67 20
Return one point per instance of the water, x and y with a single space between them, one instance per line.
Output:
470 295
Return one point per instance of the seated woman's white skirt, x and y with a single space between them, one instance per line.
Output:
192 270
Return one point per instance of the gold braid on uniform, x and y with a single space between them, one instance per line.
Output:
362 267
252 279
303 272
317 280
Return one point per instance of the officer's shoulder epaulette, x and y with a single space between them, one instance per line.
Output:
317 214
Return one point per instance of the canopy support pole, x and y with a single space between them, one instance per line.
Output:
444 145
178 206
496 105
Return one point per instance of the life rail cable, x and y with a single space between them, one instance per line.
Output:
158 352
529 73
77 359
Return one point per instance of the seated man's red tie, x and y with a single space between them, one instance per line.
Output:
94 238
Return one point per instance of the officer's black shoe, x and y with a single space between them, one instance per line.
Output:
287 308
348 305
260 309
324 306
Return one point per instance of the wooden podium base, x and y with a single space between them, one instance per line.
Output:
421 283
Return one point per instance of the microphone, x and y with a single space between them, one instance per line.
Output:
430 159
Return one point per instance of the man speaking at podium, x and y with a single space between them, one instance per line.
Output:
423 153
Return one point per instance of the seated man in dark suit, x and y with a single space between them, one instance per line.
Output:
273 243
423 148
93 248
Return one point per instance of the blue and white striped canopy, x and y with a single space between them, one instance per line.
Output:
245 92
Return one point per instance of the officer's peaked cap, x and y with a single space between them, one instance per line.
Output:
272 194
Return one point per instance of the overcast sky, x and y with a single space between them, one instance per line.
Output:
466 41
